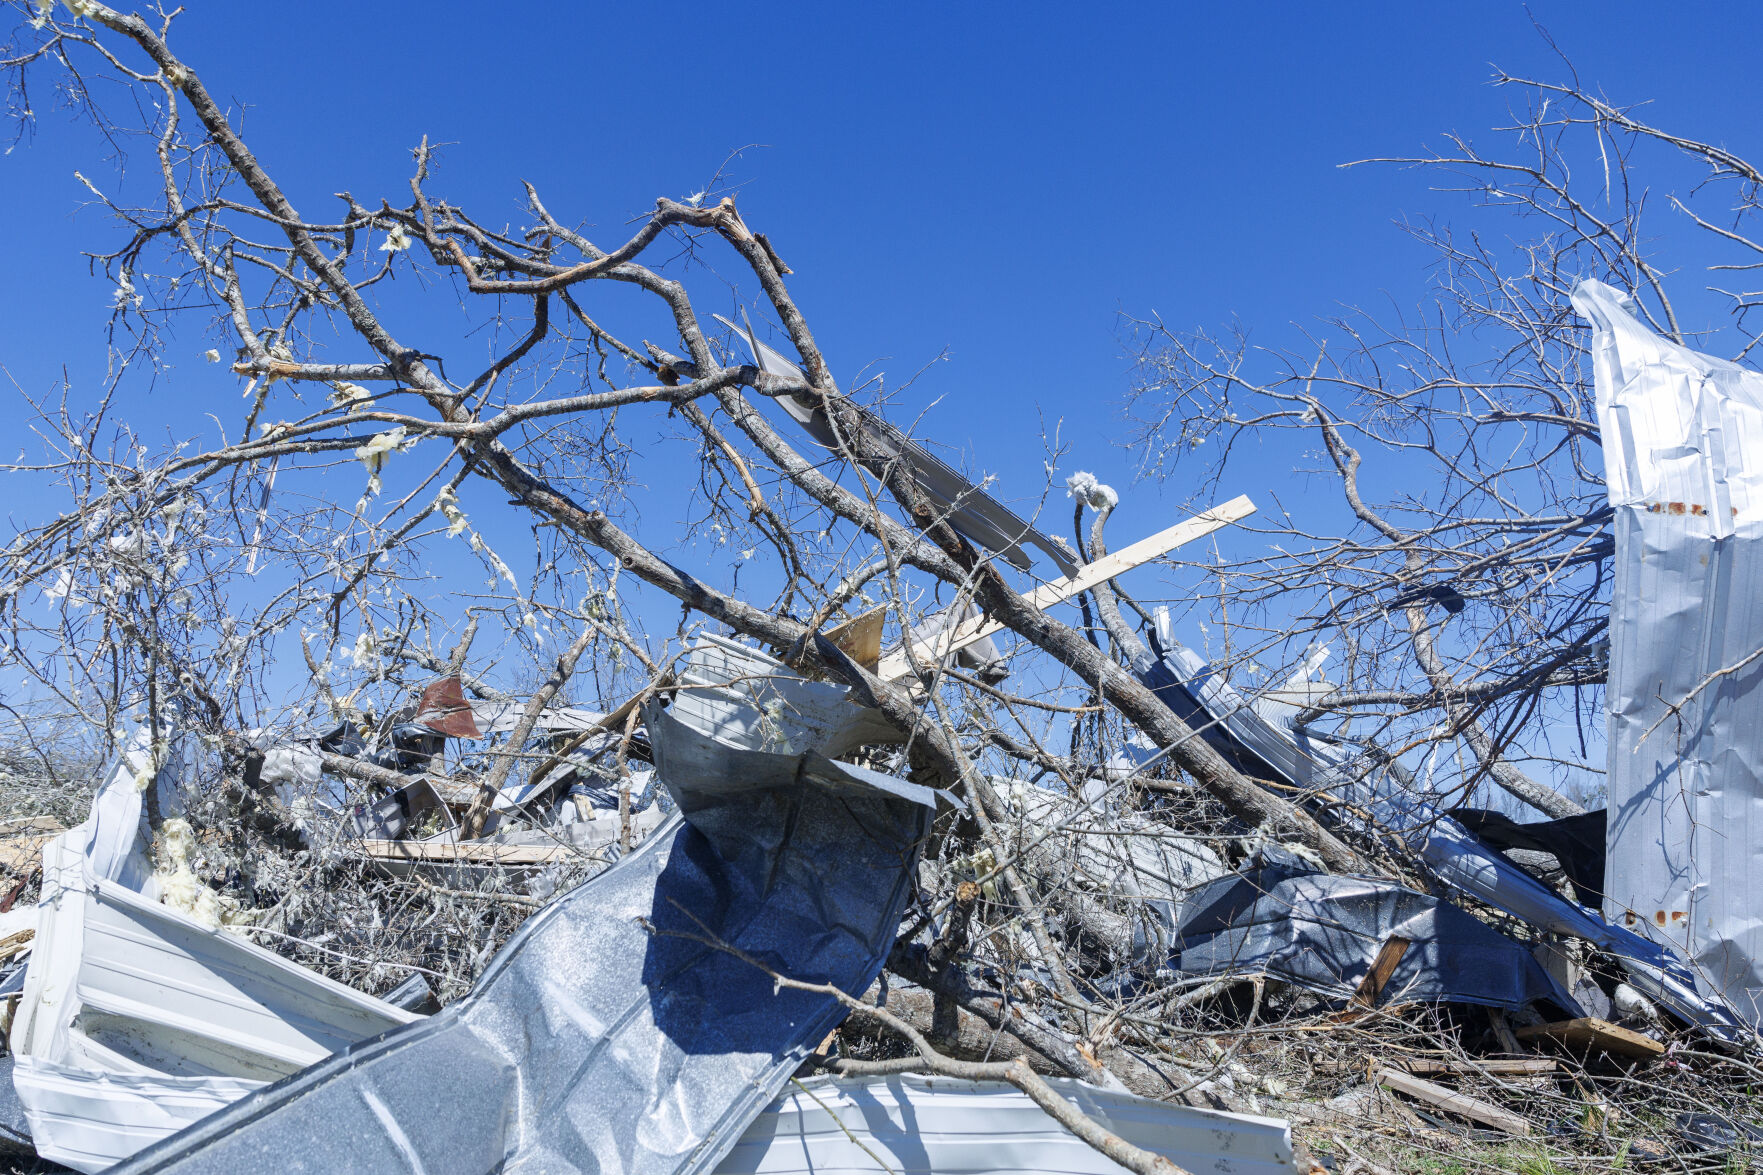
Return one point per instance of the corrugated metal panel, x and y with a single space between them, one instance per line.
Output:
940 1126
1683 450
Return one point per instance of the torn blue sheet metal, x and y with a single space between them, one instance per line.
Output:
1683 462
1466 864
1284 918
609 1035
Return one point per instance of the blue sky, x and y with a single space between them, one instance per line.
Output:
994 182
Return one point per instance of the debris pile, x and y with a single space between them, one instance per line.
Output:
729 927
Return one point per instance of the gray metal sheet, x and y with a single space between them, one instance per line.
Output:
1683 450
978 516
1466 864
606 1037
1283 918
1257 747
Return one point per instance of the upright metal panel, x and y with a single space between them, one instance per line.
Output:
1683 454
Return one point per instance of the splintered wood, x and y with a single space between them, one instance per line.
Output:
1449 1100
1591 1034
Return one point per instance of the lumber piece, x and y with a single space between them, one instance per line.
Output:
860 638
1489 1066
1450 1067
898 665
1389 955
1589 1033
484 853
1452 1102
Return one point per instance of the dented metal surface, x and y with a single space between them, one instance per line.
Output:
941 1126
1682 437
609 1035
1467 865
1281 916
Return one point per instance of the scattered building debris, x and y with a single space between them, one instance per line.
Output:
1589 1033
746 845
1327 933
138 1018
635 1024
1453 1102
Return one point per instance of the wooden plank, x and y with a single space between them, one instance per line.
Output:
1382 967
21 849
1448 1067
860 638
1591 1033
1503 1032
468 853
1449 1100
17 941
897 665
1490 1066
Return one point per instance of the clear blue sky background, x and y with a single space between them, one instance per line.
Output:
996 181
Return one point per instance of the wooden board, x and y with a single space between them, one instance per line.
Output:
1452 1102
468 853
22 841
1449 1067
897 665
860 638
1590 1033
1382 967
1493 1066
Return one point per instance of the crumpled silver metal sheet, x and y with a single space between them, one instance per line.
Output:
1683 451
1283 917
607 1036
1466 864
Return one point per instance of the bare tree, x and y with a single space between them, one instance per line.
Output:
1466 585
1463 566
